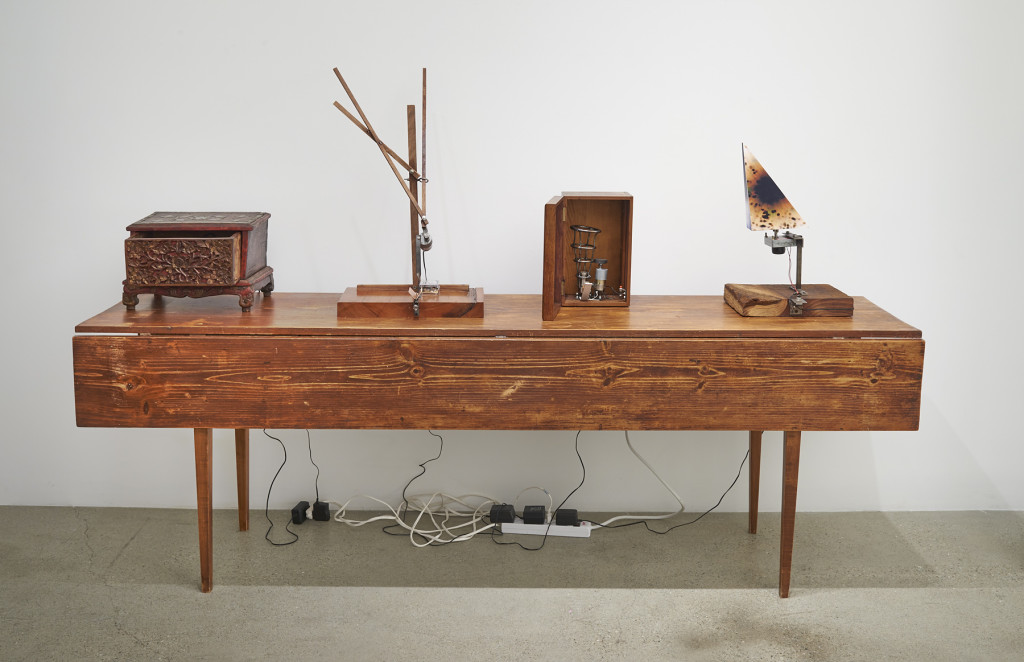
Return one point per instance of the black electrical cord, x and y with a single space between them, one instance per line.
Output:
403 507
266 511
316 481
694 520
552 520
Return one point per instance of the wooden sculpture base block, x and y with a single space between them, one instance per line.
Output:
773 301
395 302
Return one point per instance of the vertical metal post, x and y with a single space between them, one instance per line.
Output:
799 265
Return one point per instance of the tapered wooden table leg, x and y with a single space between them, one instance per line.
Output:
754 470
242 477
204 504
790 470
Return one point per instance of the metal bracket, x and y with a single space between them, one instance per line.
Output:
779 244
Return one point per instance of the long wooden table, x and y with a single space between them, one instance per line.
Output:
664 363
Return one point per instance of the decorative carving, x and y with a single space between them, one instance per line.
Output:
192 261
262 280
194 255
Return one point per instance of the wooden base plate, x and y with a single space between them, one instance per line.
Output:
612 301
773 301
395 302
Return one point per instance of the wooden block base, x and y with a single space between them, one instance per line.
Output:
773 301
395 302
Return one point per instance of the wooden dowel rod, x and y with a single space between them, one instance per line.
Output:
373 134
423 146
414 225
394 155
410 119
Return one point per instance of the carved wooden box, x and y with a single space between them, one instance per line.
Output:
586 236
189 254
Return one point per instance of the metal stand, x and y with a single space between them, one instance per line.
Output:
779 245
584 243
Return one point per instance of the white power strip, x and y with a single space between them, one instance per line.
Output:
581 531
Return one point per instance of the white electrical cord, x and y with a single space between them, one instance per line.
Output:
660 480
430 506
551 501
445 506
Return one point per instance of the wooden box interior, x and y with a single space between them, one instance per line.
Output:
612 214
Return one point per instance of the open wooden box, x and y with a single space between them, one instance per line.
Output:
612 215
197 254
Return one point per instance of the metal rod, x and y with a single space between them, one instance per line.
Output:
799 266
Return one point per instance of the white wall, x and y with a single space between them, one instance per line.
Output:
895 127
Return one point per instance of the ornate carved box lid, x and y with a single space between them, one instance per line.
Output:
176 221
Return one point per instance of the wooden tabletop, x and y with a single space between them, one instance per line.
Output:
510 315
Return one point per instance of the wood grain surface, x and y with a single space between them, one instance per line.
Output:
204 504
242 477
820 300
664 363
790 476
754 478
497 383
395 301
509 315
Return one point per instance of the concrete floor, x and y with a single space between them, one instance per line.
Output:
122 584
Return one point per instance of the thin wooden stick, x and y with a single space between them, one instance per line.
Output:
423 146
414 225
383 149
362 128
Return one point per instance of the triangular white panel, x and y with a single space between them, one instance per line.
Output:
767 206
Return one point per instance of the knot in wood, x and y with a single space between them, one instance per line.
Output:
704 370
611 373
885 367
129 383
